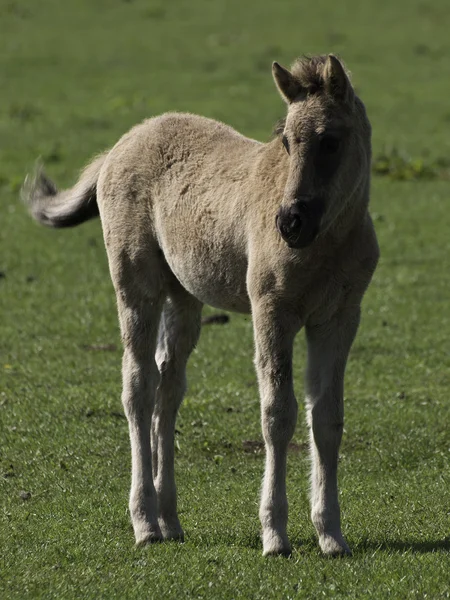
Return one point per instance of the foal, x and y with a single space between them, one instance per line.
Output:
194 212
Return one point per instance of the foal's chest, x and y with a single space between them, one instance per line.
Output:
335 285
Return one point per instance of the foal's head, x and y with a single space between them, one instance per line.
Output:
327 136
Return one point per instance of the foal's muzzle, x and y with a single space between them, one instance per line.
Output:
299 223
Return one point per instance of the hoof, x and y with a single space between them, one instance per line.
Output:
276 545
151 535
334 546
171 531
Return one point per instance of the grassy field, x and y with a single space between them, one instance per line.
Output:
75 76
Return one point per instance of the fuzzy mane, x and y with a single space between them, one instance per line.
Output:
308 71
278 128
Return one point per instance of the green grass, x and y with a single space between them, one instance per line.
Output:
76 75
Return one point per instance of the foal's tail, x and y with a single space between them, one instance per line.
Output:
69 207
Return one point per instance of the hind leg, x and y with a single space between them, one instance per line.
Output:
136 272
139 323
178 334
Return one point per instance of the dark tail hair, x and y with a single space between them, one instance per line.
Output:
69 207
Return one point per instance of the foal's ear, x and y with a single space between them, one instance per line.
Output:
336 80
288 86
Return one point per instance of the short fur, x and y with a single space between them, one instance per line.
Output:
194 212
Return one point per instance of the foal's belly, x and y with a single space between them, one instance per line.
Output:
212 270
216 293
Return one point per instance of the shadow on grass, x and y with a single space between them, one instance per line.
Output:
415 546
310 544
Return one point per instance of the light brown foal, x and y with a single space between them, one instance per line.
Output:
194 212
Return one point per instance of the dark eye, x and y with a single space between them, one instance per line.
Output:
285 143
329 144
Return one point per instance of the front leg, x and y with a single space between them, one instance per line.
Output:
328 347
275 330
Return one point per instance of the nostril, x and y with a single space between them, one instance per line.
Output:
295 222
299 223
289 222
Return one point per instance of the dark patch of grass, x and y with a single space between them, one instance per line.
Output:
399 166
24 111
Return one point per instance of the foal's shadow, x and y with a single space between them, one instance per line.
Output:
367 545
309 545
414 546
